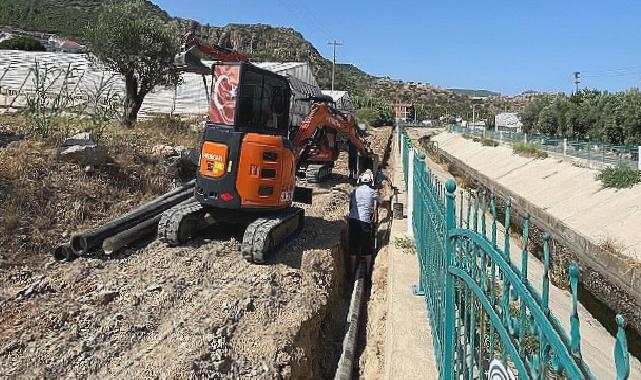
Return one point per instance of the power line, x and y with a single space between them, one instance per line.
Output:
334 44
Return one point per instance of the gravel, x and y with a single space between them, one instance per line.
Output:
194 311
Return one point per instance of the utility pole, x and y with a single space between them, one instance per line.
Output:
334 44
577 80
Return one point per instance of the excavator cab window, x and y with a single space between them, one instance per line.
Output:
263 102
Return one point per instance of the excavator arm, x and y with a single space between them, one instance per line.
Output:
315 141
322 115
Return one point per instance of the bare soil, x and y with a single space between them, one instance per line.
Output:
154 311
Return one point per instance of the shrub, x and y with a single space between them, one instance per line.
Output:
620 177
529 150
489 142
405 244
374 117
25 43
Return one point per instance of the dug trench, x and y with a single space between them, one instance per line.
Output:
198 310
600 292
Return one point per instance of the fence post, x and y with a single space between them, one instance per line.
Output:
410 192
639 158
525 138
449 333
501 138
565 146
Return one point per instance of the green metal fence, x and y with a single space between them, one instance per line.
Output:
593 152
484 314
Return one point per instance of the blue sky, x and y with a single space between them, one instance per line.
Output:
506 46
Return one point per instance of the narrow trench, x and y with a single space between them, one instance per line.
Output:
382 237
323 339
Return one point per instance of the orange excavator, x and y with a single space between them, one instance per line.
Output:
251 155
321 127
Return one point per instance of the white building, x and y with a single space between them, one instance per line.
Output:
508 122
478 125
55 43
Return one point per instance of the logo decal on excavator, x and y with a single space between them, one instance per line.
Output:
224 94
213 157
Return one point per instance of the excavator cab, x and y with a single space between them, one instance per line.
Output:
246 159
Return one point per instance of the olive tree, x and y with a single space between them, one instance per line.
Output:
132 40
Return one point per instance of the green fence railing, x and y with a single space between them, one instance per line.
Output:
486 318
591 151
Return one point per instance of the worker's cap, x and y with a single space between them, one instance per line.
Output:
366 176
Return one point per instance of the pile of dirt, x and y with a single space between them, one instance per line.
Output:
200 310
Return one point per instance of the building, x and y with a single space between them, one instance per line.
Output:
342 100
55 43
401 110
477 125
508 122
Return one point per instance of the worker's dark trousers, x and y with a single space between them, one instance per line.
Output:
360 238
352 165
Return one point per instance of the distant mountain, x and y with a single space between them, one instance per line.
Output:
260 42
65 17
474 93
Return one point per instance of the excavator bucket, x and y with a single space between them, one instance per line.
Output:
189 61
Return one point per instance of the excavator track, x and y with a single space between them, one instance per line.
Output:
266 234
181 223
317 173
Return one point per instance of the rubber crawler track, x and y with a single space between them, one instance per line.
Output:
173 220
268 233
317 173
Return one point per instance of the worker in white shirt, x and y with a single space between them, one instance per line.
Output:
362 209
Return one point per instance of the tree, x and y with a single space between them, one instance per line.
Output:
530 114
548 122
25 43
139 46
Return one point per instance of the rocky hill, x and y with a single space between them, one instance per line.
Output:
474 93
261 42
65 17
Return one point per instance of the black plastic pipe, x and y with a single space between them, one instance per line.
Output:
126 237
91 240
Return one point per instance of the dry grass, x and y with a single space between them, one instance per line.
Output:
612 245
617 248
43 200
529 151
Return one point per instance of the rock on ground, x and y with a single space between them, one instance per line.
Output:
82 149
194 311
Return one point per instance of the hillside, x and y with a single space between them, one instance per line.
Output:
64 17
474 93
261 42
